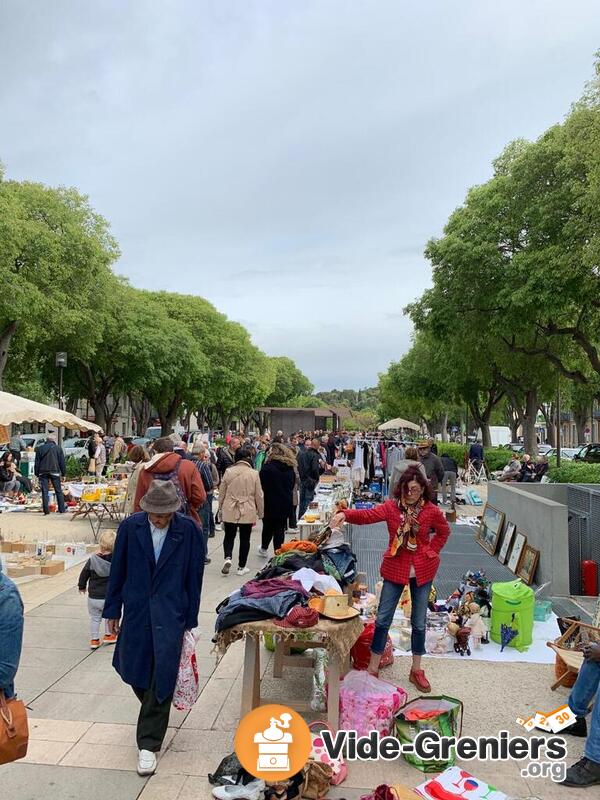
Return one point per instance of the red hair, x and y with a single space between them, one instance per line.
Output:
412 473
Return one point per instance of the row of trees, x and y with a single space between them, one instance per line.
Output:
514 309
172 353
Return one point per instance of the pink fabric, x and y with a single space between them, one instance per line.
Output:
186 688
369 704
271 587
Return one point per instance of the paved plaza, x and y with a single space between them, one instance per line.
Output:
83 717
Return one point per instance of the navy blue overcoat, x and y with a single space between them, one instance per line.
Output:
158 601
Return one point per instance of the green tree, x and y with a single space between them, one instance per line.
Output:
289 382
55 258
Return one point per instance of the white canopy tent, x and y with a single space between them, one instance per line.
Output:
15 409
398 424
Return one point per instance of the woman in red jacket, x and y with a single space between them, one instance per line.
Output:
412 557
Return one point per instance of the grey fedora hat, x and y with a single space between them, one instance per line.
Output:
161 498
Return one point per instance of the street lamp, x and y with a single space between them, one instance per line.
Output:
61 363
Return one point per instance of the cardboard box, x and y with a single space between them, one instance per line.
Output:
6 547
18 547
21 571
53 568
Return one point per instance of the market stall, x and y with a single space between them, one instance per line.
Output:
303 598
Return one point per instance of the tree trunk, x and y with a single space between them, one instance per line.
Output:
445 427
529 432
580 416
5 340
141 411
549 413
99 414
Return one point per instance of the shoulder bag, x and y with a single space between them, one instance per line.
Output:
14 731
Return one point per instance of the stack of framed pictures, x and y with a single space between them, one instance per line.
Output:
514 552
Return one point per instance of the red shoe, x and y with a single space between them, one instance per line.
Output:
417 677
110 638
94 644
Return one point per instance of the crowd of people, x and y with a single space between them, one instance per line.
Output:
144 584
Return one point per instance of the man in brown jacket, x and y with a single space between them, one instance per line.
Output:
167 465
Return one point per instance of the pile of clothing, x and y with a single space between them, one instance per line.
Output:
299 570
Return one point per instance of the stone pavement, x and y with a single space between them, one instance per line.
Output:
83 717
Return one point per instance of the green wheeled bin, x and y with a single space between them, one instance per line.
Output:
513 604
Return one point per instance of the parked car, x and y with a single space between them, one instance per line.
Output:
75 447
589 453
568 453
516 447
544 449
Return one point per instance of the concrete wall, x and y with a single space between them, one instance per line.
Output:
540 512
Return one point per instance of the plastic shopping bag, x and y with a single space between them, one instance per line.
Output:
368 703
186 687
319 753
361 649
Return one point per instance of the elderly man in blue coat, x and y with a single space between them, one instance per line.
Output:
155 582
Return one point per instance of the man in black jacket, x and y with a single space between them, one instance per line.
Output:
309 471
49 466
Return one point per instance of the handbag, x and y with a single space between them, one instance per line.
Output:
92 465
320 754
317 780
14 731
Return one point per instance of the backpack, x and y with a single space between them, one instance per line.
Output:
173 476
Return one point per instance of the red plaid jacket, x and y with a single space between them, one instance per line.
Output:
425 559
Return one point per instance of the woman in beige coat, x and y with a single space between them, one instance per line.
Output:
139 457
241 503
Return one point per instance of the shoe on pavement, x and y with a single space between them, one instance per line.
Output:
146 763
226 566
418 679
110 638
207 560
263 553
242 571
211 535
578 728
583 773
251 791
94 644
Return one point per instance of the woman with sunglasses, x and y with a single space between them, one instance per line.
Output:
417 532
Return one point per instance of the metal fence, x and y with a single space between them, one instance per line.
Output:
584 531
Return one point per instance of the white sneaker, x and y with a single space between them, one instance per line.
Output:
263 553
243 571
251 791
146 763
226 566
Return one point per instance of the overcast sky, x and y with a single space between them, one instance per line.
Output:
286 159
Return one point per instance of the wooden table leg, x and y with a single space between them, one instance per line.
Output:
251 675
280 651
333 694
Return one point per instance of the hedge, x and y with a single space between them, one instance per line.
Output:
575 472
496 458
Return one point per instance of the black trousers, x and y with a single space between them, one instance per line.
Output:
273 530
46 478
153 719
293 519
228 541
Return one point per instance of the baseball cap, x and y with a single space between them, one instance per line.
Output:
299 617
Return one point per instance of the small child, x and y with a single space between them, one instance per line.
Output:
94 576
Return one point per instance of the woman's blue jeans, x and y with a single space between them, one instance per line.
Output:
583 692
388 602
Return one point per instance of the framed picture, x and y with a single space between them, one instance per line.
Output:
528 564
520 540
507 539
490 529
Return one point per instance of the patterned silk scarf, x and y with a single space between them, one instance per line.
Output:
406 535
